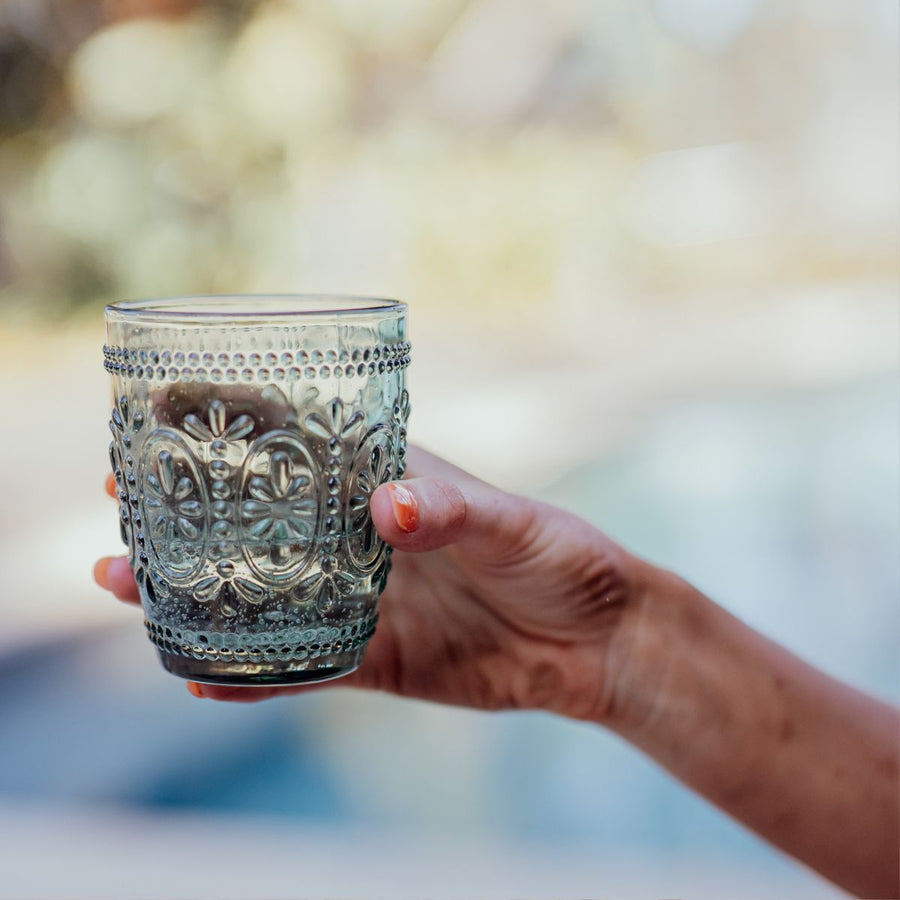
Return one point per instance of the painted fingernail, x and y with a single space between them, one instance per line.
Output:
406 509
111 487
101 572
195 689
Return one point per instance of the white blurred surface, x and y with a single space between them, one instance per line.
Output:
110 854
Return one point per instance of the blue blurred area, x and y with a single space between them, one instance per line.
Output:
782 506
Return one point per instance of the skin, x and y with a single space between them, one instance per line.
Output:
499 602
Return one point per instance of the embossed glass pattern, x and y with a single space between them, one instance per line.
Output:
248 435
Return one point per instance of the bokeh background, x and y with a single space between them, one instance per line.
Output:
651 252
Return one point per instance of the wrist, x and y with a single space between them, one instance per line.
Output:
617 674
661 623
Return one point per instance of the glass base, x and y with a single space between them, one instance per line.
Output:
262 674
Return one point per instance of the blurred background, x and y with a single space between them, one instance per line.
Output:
651 252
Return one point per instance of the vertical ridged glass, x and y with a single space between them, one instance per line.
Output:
248 435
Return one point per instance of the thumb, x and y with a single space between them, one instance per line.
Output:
423 514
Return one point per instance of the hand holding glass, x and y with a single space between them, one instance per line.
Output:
249 434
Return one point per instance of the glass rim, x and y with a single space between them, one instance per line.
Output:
225 308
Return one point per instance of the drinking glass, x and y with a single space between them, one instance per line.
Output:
249 433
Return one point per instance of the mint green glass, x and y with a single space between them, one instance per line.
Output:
249 434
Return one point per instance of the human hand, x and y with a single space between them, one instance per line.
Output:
499 602
494 601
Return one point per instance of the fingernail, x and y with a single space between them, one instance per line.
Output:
195 689
101 572
406 509
111 487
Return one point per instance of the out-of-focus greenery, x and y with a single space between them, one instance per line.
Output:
484 154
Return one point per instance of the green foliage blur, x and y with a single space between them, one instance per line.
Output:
487 155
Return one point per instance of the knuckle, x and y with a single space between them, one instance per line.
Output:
455 506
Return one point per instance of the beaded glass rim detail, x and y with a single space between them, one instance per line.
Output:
216 309
231 367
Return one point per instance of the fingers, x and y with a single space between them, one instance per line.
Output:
422 514
236 694
239 694
419 514
114 574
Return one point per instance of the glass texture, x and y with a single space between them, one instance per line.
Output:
248 435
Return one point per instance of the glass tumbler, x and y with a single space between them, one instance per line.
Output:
249 434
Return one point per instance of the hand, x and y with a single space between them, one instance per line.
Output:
493 601
499 602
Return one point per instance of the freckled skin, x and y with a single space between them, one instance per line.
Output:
497 602
786 731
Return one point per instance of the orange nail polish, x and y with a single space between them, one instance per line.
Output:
195 689
111 487
101 568
406 509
